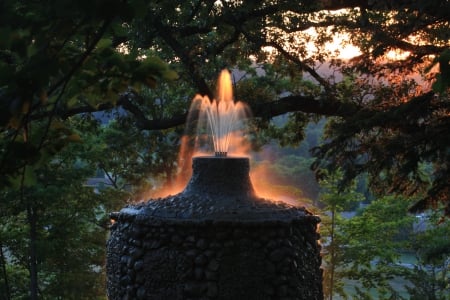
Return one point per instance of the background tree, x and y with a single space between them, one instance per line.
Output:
374 241
430 275
57 57
94 51
71 217
62 59
335 202
385 253
55 230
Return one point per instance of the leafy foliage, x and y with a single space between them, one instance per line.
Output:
335 202
384 253
142 61
62 56
99 54
68 218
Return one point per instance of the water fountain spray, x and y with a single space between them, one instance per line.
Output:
223 117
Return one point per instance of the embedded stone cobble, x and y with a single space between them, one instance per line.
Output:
181 259
215 240
196 207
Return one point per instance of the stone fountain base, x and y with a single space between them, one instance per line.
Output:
208 243
169 259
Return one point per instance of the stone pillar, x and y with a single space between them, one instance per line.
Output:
210 244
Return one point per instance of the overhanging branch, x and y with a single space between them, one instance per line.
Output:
267 110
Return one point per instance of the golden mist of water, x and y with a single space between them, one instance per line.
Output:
270 186
217 126
212 126
223 116
225 87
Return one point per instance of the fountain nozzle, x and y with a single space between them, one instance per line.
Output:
220 154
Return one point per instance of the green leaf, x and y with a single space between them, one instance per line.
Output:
72 102
104 43
170 75
57 124
151 69
74 138
29 178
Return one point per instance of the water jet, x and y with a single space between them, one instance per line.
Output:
214 240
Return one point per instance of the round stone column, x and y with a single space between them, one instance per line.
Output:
215 240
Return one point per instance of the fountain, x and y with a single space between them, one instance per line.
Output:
223 116
216 239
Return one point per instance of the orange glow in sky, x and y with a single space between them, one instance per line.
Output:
343 49
340 47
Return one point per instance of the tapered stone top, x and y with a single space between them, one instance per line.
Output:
220 177
219 189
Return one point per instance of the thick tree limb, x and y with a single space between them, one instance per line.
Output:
305 104
440 9
268 110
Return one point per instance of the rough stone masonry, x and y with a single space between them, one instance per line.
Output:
215 240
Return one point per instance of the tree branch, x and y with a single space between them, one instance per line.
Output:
305 104
298 103
171 41
81 59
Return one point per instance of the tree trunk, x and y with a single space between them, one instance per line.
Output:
31 218
333 254
5 275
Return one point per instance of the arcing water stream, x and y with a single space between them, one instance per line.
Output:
224 118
